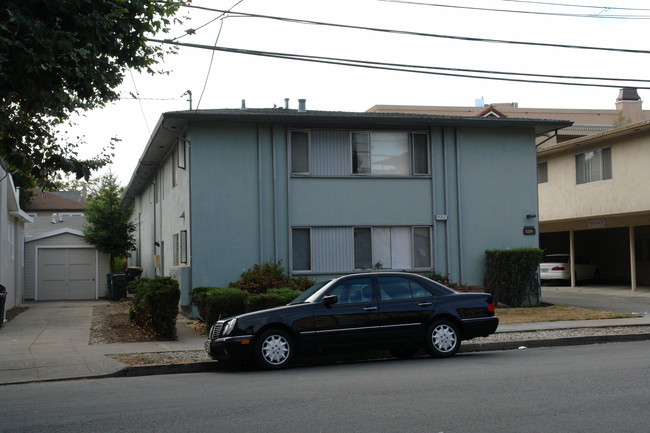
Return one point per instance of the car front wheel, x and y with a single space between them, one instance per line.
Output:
442 339
274 349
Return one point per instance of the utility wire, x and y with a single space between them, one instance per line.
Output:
612 8
439 5
410 68
216 41
411 33
140 102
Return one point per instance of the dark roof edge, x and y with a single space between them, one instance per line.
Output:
171 124
343 118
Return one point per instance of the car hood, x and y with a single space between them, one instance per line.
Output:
270 311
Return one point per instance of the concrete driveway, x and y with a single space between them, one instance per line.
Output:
611 298
50 340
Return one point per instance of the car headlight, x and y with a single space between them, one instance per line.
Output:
228 327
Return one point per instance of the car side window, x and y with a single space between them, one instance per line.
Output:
391 288
419 291
353 290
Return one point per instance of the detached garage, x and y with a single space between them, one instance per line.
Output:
60 265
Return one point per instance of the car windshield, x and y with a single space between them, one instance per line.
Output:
307 293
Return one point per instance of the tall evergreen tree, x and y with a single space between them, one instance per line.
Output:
108 225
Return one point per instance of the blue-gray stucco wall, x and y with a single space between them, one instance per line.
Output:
243 202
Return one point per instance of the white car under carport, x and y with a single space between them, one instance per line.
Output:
557 267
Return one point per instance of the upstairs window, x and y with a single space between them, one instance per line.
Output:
594 166
390 153
542 172
300 152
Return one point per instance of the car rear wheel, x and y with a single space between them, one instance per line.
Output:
274 349
442 339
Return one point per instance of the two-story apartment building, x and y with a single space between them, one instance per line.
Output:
329 193
594 200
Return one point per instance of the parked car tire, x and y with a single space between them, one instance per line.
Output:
404 353
442 339
274 349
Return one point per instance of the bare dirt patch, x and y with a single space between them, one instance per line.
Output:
110 324
554 313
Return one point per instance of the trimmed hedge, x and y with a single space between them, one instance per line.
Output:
155 305
215 302
511 276
273 298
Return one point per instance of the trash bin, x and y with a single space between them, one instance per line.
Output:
132 272
118 287
3 300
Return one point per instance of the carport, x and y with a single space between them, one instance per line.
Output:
619 245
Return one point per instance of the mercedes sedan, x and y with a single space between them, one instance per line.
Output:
399 312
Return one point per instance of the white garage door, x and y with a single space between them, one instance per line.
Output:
66 273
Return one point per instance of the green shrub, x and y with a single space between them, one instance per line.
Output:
264 301
511 276
442 279
222 303
274 298
302 283
286 293
197 298
155 305
258 279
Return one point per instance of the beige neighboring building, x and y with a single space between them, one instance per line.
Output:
628 109
594 200
593 182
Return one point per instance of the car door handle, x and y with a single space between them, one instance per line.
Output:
425 304
371 308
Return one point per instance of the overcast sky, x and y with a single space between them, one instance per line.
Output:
220 79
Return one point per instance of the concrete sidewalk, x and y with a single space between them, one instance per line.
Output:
50 341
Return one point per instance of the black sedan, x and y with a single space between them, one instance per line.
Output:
400 312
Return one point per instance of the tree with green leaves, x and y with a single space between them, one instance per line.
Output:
108 225
62 57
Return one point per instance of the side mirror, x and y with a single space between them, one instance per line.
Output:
328 301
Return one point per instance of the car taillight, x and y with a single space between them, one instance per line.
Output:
491 307
557 268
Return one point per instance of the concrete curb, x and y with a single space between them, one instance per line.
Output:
151 370
557 342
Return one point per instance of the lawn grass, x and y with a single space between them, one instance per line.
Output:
554 313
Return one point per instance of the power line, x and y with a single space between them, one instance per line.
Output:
216 41
626 17
140 102
577 6
411 33
451 72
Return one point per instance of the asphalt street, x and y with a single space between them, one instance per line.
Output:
596 388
